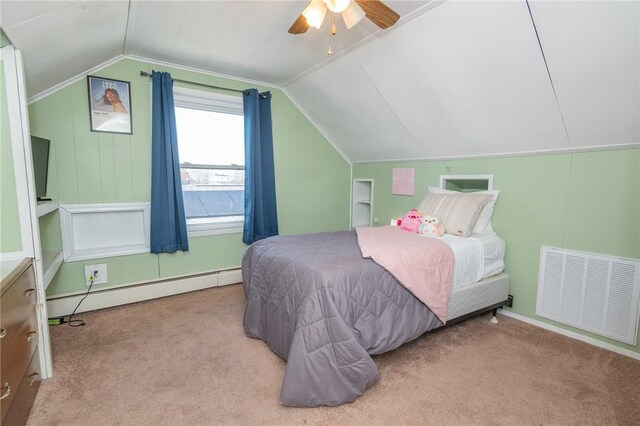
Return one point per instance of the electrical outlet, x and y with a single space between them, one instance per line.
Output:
101 275
510 301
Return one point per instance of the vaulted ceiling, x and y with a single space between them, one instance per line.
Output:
247 39
451 79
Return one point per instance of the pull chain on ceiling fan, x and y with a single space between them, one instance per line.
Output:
352 12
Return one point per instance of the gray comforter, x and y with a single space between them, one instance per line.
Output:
322 307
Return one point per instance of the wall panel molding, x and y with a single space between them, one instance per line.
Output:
93 231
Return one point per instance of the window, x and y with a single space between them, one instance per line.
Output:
210 129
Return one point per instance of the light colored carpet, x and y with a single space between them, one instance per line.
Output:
185 360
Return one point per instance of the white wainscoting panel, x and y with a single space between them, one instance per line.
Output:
91 231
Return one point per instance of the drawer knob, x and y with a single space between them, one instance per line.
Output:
28 292
35 377
6 390
3 333
31 335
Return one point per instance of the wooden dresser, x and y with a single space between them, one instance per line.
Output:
20 365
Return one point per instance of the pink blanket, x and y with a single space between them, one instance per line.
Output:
423 265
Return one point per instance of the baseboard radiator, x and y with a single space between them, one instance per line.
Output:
591 292
62 305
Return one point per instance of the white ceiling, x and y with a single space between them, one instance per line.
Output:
61 39
465 78
472 82
248 39
593 50
470 79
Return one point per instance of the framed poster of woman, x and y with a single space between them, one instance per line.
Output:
109 105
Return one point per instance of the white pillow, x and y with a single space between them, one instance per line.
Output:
457 212
483 224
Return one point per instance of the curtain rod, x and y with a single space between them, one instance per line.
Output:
146 74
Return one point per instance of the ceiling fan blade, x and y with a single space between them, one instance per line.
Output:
300 26
378 13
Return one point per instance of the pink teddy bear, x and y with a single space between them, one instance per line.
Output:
411 221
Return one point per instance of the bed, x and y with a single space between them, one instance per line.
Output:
325 309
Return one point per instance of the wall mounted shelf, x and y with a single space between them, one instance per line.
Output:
46 207
362 206
51 261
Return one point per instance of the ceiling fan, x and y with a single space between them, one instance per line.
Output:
352 12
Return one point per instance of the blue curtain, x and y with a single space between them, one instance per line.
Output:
168 222
260 213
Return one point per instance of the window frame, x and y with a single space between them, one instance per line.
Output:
214 102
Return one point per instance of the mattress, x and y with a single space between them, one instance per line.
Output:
477 257
493 248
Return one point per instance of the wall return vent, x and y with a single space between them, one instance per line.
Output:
591 292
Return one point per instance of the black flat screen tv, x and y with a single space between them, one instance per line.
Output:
40 154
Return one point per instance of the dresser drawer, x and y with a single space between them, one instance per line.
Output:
14 364
17 304
26 393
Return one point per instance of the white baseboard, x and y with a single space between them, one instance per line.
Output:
100 299
573 335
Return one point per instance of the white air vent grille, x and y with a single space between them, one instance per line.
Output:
589 291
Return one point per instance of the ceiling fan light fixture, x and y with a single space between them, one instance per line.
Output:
337 6
315 12
352 14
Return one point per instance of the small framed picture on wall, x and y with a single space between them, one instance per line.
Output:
109 105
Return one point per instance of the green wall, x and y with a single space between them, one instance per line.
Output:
312 179
10 238
583 201
50 236
4 40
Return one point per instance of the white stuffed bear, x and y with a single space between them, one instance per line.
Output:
431 226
